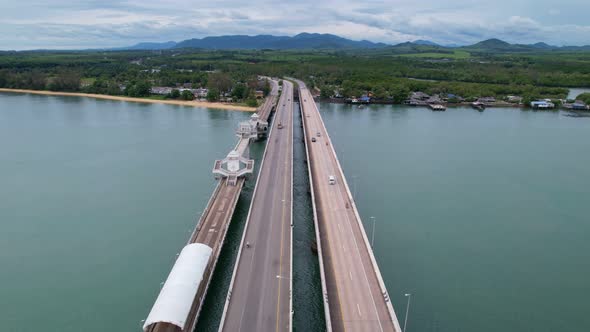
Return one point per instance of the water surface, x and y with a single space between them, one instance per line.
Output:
96 199
483 217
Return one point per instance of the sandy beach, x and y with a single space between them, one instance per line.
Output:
192 103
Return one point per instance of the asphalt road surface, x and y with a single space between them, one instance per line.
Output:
355 298
259 298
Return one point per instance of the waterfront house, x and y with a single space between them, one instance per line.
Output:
542 104
453 97
486 100
418 98
514 99
579 106
419 95
364 99
160 90
201 92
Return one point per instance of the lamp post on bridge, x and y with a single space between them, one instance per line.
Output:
409 296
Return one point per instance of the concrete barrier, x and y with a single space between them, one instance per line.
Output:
316 226
234 273
386 296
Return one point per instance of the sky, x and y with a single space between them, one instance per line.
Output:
79 24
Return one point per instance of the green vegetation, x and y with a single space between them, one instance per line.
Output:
585 97
388 73
455 55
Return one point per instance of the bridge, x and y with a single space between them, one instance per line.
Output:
180 300
355 297
259 296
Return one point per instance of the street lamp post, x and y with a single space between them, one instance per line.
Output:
409 296
373 233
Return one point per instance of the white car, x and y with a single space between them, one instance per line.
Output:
331 179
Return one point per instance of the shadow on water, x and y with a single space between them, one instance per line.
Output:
307 300
307 291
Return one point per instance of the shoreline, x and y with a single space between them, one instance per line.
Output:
191 103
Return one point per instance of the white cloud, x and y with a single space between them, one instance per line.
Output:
110 23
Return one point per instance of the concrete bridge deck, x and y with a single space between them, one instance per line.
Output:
259 298
356 295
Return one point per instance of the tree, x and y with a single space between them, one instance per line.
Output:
252 102
65 81
187 95
139 89
325 92
240 91
220 81
213 95
175 94
585 97
266 88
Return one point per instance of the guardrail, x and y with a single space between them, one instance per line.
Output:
384 292
316 226
234 273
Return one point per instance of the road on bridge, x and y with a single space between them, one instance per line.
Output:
259 297
357 300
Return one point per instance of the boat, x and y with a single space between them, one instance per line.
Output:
478 106
437 107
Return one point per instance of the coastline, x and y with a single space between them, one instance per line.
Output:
192 103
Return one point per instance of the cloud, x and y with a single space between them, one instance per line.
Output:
108 23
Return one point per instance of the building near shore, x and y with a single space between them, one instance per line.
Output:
542 104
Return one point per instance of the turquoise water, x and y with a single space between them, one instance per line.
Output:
96 199
481 216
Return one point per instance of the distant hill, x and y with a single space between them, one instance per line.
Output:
329 41
151 46
300 41
495 45
499 46
425 42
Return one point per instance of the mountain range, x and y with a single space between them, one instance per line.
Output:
329 41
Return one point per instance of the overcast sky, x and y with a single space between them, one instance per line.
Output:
62 24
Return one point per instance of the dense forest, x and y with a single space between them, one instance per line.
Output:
385 73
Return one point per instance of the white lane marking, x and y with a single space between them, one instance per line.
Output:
350 274
333 161
359 309
340 227
343 248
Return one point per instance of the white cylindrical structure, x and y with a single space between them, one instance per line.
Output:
178 293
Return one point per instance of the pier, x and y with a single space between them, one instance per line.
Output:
180 300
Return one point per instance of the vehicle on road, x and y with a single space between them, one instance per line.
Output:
280 126
331 179
318 134
313 139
